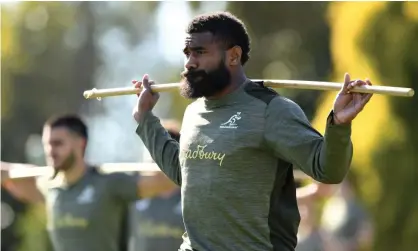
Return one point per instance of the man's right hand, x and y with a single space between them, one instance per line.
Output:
146 99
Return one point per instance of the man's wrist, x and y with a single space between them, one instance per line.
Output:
140 117
334 120
337 133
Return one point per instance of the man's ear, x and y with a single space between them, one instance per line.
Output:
235 55
84 145
81 143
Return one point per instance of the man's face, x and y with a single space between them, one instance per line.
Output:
206 72
61 147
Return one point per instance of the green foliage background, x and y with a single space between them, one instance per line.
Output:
50 55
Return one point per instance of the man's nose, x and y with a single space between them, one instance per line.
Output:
190 63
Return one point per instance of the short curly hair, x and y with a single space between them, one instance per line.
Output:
225 27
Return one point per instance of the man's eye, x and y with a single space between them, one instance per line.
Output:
200 51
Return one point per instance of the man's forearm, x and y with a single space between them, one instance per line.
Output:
290 135
24 188
336 152
163 149
7 167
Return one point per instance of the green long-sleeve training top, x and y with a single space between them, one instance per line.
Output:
234 164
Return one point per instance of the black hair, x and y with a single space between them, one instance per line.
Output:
71 122
226 28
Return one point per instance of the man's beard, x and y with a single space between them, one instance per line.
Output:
66 165
199 83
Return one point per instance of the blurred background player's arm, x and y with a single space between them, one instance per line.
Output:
306 192
129 187
153 185
314 190
28 188
25 189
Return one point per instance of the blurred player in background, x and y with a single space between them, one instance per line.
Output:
309 234
85 207
345 222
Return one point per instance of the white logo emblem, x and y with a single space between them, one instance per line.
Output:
86 196
231 123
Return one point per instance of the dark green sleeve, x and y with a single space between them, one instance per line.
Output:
163 149
123 186
291 137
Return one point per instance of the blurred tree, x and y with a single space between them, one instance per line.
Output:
51 53
379 40
135 18
48 60
394 31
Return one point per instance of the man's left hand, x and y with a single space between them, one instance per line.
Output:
348 104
